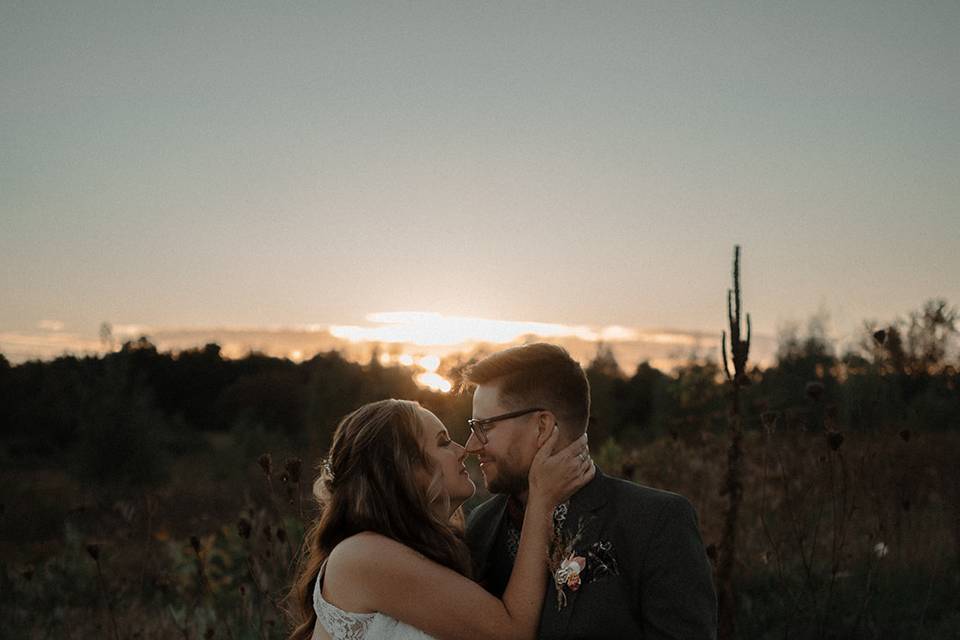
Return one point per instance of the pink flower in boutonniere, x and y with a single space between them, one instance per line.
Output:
569 571
566 566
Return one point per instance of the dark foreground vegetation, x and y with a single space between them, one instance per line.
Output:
158 495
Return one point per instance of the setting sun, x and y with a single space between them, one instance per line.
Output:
434 381
428 329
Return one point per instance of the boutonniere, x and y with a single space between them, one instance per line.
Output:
568 567
569 571
566 564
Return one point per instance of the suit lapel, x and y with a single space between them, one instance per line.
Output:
586 511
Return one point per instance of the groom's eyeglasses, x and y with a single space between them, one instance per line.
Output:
478 426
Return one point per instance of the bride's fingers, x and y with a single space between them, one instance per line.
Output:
580 464
582 470
583 453
575 448
546 449
590 472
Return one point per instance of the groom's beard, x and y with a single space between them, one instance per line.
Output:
510 481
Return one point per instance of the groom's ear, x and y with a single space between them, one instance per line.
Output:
545 423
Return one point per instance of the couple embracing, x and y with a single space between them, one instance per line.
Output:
560 551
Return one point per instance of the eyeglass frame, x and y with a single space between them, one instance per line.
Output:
477 424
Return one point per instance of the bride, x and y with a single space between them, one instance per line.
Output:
385 562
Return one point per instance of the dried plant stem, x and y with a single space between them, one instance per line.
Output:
728 545
148 540
300 501
106 597
261 594
866 596
183 629
733 484
796 528
926 600
774 545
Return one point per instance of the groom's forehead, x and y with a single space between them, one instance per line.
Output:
486 398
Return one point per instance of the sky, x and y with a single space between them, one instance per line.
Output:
301 164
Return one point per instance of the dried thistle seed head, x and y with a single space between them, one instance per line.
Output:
243 528
266 463
814 390
880 336
94 551
834 439
292 467
195 543
905 434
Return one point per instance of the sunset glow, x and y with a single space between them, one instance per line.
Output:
430 363
434 381
663 347
435 329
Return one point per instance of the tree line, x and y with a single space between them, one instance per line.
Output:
117 418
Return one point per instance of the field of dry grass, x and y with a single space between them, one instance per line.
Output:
847 538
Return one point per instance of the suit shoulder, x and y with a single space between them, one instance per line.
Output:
629 495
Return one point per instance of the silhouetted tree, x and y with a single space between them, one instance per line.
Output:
607 391
106 336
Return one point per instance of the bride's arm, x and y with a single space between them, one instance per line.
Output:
396 580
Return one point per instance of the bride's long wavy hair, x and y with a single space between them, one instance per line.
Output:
369 483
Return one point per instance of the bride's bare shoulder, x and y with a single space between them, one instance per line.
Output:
366 549
361 564
351 568
361 548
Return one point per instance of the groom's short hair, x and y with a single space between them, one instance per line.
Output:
538 374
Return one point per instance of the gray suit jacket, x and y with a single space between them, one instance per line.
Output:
664 588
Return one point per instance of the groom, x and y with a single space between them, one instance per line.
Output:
627 561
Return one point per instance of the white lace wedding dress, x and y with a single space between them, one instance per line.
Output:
344 625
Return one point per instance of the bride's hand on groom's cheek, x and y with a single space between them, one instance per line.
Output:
556 475
580 465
